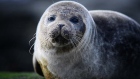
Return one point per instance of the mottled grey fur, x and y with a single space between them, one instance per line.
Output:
109 49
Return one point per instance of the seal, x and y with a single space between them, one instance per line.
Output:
74 43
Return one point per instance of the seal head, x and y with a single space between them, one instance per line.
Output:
63 25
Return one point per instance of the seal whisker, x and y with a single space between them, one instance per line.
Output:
47 38
34 36
78 38
72 43
75 41
31 40
79 33
31 48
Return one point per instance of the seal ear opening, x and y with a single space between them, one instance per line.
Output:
37 67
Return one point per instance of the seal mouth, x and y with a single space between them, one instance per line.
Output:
60 40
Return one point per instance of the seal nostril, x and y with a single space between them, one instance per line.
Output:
61 25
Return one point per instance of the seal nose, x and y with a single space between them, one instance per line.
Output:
61 25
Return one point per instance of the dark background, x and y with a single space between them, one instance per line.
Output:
19 19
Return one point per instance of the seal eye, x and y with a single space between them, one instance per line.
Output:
74 19
51 18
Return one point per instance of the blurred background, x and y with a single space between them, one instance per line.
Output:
19 19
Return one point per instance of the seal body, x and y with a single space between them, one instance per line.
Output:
74 43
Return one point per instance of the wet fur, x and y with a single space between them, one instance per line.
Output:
109 49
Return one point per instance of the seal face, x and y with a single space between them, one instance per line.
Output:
64 31
74 43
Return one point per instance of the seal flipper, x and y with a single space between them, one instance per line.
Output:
37 67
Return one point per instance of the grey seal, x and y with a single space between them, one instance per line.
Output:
74 43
